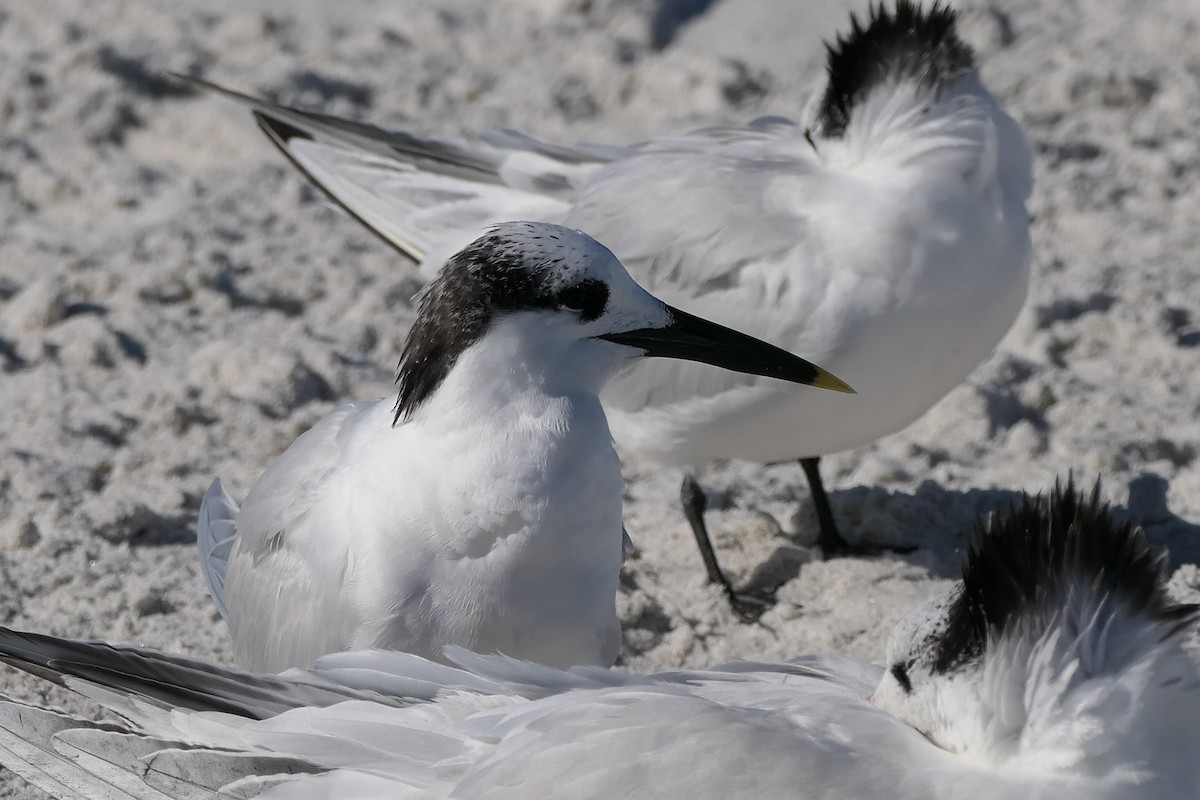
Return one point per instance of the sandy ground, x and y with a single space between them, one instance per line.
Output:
176 303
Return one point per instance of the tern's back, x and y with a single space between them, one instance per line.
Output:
897 252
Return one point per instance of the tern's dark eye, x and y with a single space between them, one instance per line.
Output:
900 673
587 297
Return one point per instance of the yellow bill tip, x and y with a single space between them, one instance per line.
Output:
826 380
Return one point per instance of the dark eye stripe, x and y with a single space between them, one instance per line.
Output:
900 673
588 297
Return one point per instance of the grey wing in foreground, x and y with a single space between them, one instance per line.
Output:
165 681
161 755
26 748
498 747
860 677
216 531
74 759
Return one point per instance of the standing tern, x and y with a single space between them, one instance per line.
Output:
889 222
1055 669
482 507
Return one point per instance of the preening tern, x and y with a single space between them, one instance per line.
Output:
1055 669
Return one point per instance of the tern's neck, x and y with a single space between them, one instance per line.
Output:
517 367
1103 694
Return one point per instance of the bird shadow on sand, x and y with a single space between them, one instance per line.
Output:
146 527
1148 508
929 528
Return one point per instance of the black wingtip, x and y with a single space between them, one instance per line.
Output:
278 130
170 681
180 85
909 42
197 84
281 134
1025 561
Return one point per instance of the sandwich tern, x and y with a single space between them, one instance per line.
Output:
482 507
884 235
1054 669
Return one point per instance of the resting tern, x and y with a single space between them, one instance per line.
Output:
1055 669
889 222
482 507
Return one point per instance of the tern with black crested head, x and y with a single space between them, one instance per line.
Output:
482 507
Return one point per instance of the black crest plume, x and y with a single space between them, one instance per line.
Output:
908 43
488 275
1025 560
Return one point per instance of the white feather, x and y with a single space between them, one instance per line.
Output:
215 534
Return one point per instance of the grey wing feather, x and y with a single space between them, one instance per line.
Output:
26 748
168 681
216 531
285 597
861 677
578 153
503 747
175 770
68 757
114 758
428 196
283 123
291 483
425 195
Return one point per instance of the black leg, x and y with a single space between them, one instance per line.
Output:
829 540
749 607
694 506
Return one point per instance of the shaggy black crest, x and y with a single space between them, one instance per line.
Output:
491 275
1024 562
908 43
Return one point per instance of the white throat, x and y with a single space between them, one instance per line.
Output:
534 460
523 361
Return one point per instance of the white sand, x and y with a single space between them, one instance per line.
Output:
176 303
